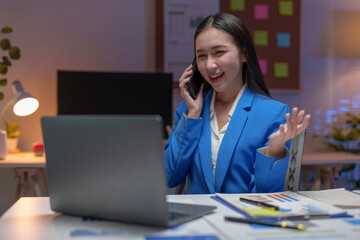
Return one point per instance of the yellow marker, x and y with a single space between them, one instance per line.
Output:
281 224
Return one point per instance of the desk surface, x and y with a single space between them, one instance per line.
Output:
32 218
28 159
24 159
321 158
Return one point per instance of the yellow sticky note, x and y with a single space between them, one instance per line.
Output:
281 69
237 5
286 8
261 38
262 212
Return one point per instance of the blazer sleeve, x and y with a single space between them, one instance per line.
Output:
181 145
269 173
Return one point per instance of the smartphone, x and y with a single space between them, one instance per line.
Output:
196 79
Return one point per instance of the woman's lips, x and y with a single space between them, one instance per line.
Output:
216 77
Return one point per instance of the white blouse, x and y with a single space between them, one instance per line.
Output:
216 135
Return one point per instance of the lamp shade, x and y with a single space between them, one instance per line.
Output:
24 103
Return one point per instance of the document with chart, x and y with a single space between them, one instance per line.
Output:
286 205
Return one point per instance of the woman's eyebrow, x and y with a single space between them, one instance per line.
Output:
214 47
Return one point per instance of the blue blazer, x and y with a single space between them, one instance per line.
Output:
240 167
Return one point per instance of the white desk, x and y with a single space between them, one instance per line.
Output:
30 170
30 173
329 158
325 165
32 219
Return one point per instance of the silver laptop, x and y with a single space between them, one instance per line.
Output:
111 167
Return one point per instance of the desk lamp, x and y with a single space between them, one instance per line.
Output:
24 105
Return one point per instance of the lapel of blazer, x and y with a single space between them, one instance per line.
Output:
205 144
231 137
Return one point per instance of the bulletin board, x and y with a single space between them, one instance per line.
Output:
275 28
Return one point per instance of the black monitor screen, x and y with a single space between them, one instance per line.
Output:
115 93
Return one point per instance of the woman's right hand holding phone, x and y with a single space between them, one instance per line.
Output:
194 106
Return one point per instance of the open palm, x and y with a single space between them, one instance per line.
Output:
295 124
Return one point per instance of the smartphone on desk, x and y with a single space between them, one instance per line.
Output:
196 79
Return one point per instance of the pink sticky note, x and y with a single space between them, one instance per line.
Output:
263 65
261 11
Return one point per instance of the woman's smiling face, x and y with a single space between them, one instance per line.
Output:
219 60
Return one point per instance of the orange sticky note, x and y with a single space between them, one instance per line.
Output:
281 69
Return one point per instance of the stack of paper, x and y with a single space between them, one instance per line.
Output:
339 197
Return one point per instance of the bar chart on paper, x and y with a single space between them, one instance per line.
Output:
287 208
272 198
289 203
282 197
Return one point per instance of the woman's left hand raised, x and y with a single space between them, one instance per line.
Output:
295 124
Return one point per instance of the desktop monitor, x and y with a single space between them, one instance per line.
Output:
115 93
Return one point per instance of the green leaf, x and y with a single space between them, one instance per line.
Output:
11 129
353 135
6 30
3 68
3 82
13 134
5 44
6 61
14 52
1 96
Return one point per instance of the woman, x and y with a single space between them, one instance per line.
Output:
233 138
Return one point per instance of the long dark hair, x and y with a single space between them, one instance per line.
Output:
251 72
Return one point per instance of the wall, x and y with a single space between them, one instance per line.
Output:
113 36
78 35
330 84
109 35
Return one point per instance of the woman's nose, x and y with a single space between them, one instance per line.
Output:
211 64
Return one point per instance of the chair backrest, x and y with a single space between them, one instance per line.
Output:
292 177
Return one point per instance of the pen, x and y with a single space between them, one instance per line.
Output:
261 204
281 224
304 216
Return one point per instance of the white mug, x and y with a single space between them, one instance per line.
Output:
3 148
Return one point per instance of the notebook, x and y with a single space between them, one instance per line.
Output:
111 167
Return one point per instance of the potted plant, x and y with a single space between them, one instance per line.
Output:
344 134
11 53
12 133
5 62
